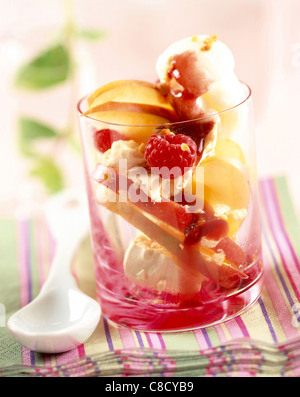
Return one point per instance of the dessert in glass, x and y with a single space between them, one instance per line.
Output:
172 188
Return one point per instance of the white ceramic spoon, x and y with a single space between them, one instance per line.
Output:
61 317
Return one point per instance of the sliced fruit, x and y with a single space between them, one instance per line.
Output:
198 260
233 252
127 93
226 189
134 104
164 222
136 126
186 226
224 183
94 97
143 108
228 148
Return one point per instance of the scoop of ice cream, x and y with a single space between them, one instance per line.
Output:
198 74
197 61
148 264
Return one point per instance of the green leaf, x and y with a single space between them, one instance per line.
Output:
49 173
91 34
31 130
49 68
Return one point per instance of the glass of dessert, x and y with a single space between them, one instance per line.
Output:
171 181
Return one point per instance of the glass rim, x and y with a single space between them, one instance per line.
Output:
168 124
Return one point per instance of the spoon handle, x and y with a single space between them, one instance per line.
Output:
60 271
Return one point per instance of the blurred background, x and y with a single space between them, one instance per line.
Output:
91 42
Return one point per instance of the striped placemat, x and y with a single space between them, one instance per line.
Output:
264 341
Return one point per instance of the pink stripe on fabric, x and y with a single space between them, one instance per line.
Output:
280 219
234 329
289 265
153 340
47 360
40 259
242 326
156 341
65 357
162 342
24 296
127 338
201 340
81 351
280 306
221 333
148 339
280 301
26 356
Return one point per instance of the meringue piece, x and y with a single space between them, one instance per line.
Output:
148 264
224 211
126 150
210 142
156 187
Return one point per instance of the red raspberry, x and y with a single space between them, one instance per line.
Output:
103 139
171 151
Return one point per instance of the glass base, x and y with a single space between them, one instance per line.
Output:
154 316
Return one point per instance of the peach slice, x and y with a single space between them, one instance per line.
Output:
226 189
133 125
142 93
118 83
144 108
188 227
229 149
224 183
135 106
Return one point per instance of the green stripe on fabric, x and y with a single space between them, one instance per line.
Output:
289 214
213 336
188 341
10 351
9 265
